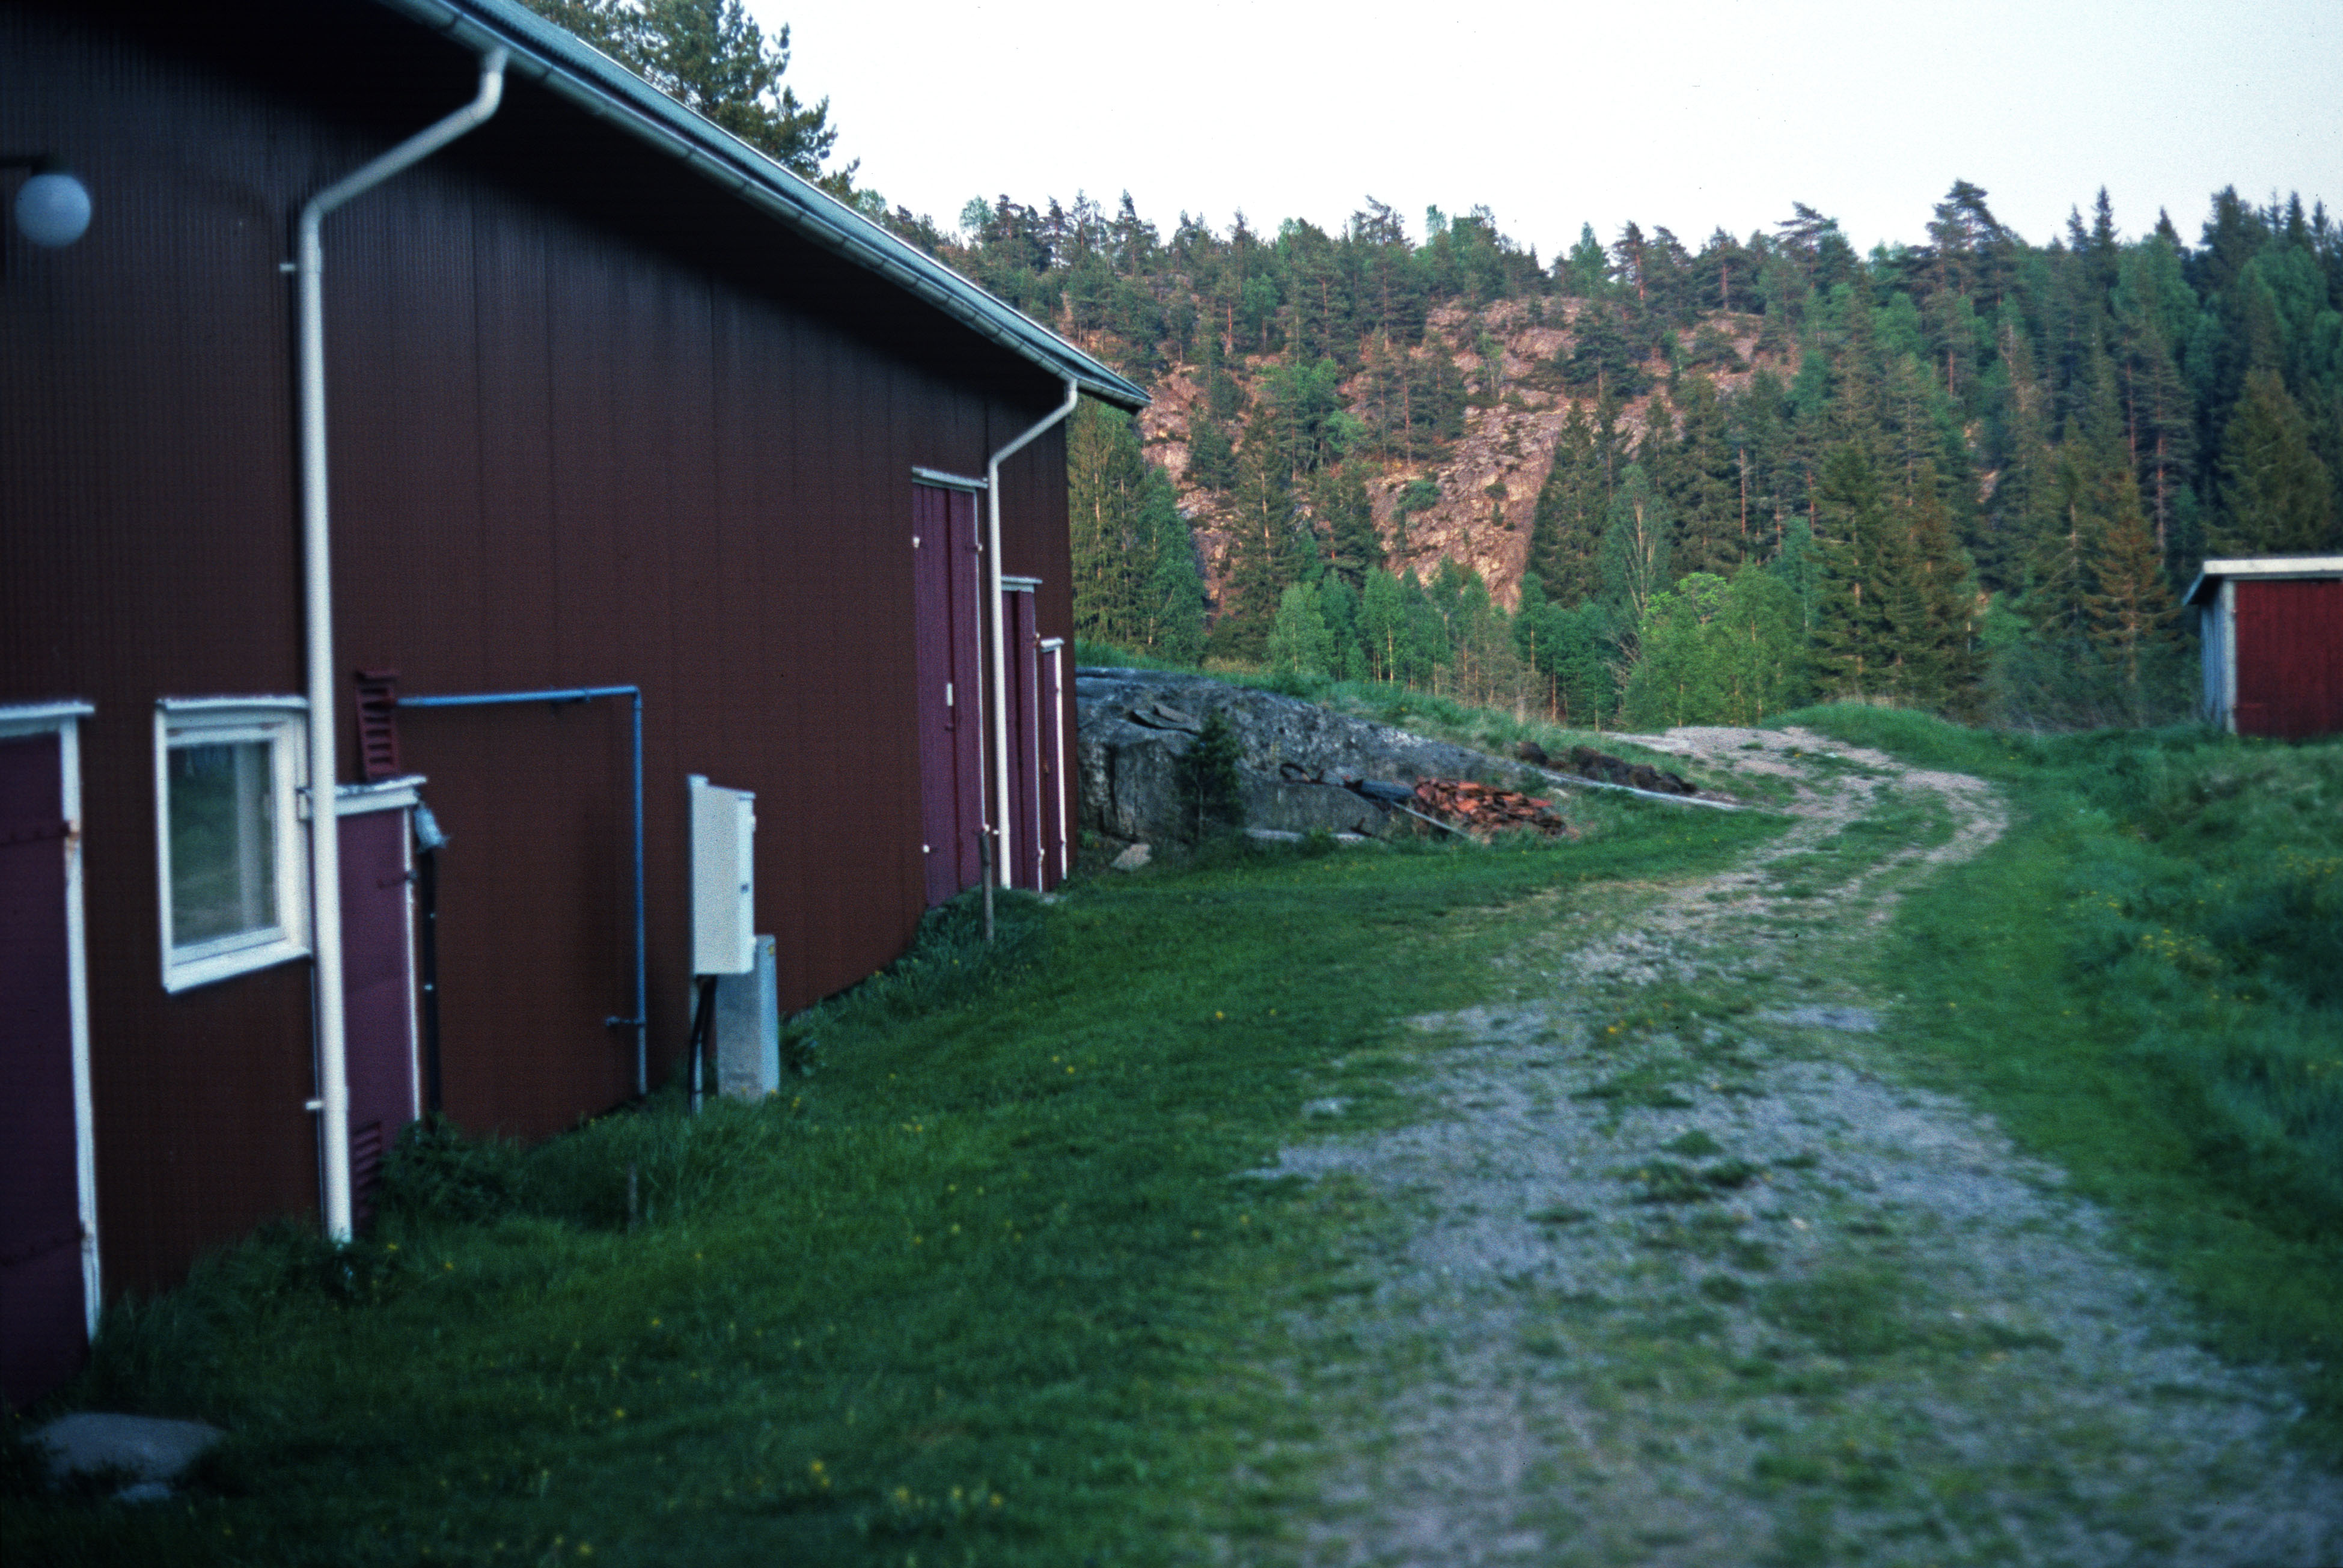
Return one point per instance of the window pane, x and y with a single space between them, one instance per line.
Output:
223 842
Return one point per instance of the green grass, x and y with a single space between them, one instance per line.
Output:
981 1289
2144 981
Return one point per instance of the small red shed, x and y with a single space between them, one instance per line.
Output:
2273 639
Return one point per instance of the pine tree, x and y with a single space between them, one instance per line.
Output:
711 55
2276 498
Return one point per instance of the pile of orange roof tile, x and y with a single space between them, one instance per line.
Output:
1484 808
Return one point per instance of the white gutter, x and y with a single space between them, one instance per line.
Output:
1000 861
318 603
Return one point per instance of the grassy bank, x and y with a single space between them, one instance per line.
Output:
2144 979
979 1291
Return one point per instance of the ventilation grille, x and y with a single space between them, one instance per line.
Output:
377 724
366 1172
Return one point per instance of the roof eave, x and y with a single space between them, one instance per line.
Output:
607 90
2211 574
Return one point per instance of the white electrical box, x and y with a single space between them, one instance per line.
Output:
723 879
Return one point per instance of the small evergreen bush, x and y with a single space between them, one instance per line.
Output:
1211 794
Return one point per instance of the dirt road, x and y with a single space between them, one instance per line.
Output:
1687 1285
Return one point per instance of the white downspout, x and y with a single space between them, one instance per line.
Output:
1000 861
318 603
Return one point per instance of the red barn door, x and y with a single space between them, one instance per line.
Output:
948 602
1024 736
378 992
43 1308
2290 658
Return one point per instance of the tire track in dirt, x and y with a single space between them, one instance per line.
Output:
1679 1277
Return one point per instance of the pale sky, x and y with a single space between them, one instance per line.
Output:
1688 115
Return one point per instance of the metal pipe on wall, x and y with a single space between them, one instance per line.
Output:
1055 647
1000 860
640 1022
317 601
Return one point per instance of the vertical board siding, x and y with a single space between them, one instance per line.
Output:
42 1321
592 422
2290 656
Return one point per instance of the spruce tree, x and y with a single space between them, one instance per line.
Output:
1113 549
1176 598
1567 530
1863 597
1943 660
1353 546
1704 486
2276 498
2131 609
1211 456
1265 552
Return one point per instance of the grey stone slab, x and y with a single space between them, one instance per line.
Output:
1295 757
149 1448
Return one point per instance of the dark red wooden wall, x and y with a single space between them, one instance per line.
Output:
2290 656
594 421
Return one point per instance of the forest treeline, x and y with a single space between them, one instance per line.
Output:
1964 474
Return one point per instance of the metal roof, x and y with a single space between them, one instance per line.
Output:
2209 574
601 86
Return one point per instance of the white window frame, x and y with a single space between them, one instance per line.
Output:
283 723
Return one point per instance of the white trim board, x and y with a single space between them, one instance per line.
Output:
64 718
35 717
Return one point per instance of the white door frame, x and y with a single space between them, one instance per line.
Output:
64 719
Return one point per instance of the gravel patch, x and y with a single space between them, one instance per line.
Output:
1718 1293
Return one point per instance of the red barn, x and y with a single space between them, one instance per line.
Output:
399 398
2273 641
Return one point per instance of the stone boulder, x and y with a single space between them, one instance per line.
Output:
1296 759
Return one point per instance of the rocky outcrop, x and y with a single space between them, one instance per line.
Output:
1298 760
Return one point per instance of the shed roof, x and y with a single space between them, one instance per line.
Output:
2209 574
608 91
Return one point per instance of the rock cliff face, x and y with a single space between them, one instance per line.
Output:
1489 478
1296 759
